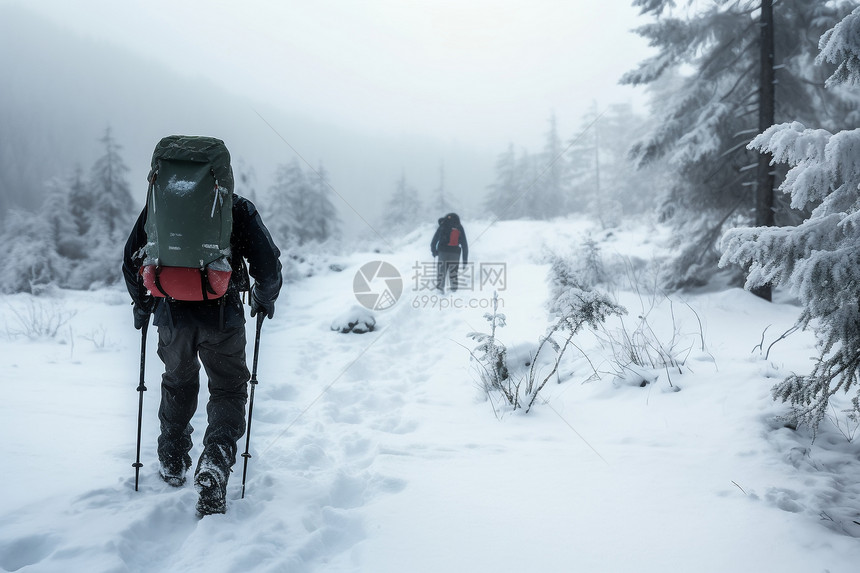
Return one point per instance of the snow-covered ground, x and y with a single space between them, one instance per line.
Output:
378 452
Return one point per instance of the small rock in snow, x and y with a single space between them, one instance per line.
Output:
358 320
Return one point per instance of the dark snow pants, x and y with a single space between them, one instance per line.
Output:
222 353
447 265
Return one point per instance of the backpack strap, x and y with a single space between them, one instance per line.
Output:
205 285
158 280
221 312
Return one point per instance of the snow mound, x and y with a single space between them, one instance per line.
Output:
357 319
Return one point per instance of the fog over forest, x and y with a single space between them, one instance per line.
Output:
62 91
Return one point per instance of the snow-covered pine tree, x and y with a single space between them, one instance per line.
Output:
583 166
403 210
71 240
80 200
549 194
623 187
705 119
819 259
99 268
67 227
441 202
29 257
300 207
102 210
602 181
322 222
112 202
528 171
504 194
245 179
284 204
41 247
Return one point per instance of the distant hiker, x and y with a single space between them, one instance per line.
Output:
185 261
448 242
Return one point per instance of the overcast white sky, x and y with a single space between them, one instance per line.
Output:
484 72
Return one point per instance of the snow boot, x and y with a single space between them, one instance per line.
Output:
173 470
212 490
210 481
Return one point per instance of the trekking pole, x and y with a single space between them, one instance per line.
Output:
247 455
141 388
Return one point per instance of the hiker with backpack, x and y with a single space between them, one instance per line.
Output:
185 263
448 243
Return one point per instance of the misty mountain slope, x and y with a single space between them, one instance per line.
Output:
62 90
380 452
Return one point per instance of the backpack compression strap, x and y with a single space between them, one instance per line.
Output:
158 280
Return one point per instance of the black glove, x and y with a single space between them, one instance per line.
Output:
266 308
434 253
142 309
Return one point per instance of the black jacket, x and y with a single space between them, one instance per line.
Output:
440 238
250 241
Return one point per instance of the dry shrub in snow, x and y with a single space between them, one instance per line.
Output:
642 352
574 309
36 319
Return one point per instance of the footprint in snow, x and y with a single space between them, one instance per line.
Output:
26 550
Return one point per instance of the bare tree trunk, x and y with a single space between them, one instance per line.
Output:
764 207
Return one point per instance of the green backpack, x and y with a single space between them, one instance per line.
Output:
189 219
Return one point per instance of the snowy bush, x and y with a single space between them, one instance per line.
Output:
29 260
38 319
819 259
575 308
358 320
583 270
491 356
99 338
75 239
642 353
299 206
846 422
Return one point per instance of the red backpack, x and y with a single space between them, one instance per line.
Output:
454 237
